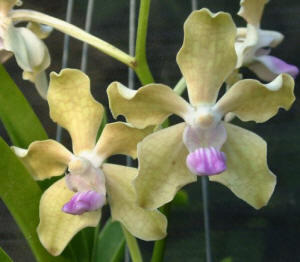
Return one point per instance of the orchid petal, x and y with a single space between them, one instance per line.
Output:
7 5
268 67
44 159
5 55
251 100
40 80
57 228
247 174
207 55
144 224
162 167
120 138
73 107
149 105
252 10
268 38
30 52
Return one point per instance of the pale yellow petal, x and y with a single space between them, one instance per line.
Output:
247 175
144 224
207 55
7 5
149 105
162 167
44 159
252 10
120 138
73 107
56 228
251 100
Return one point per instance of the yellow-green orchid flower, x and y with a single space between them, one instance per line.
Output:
253 44
170 158
75 201
31 53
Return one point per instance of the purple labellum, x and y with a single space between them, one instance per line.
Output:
206 161
83 202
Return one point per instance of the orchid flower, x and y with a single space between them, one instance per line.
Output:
75 201
31 53
253 44
203 144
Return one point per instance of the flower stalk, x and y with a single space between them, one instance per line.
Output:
74 31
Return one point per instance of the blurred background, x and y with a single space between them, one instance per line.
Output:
237 230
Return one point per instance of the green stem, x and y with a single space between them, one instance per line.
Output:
180 86
159 246
96 233
133 246
74 31
141 67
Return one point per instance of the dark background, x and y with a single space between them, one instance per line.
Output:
238 231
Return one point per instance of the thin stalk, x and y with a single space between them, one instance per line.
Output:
160 245
180 86
204 182
133 247
87 28
74 31
65 56
141 67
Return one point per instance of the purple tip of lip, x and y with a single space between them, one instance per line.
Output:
206 161
282 67
83 202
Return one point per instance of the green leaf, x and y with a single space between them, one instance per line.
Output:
110 243
21 194
227 259
20 121
4 257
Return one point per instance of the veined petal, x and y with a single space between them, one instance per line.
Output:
162 167
57 228
149 105
73 107
144 224
251 100
268 67
247 174
44 159
252 10
120 138
207 55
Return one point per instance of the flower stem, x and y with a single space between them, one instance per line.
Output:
204 182
159 246
133 247
74 31
180 86
141 67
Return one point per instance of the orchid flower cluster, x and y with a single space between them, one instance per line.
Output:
204 144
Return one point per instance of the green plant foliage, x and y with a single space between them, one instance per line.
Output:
110 243
21 194
20 121
4 257
181 198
